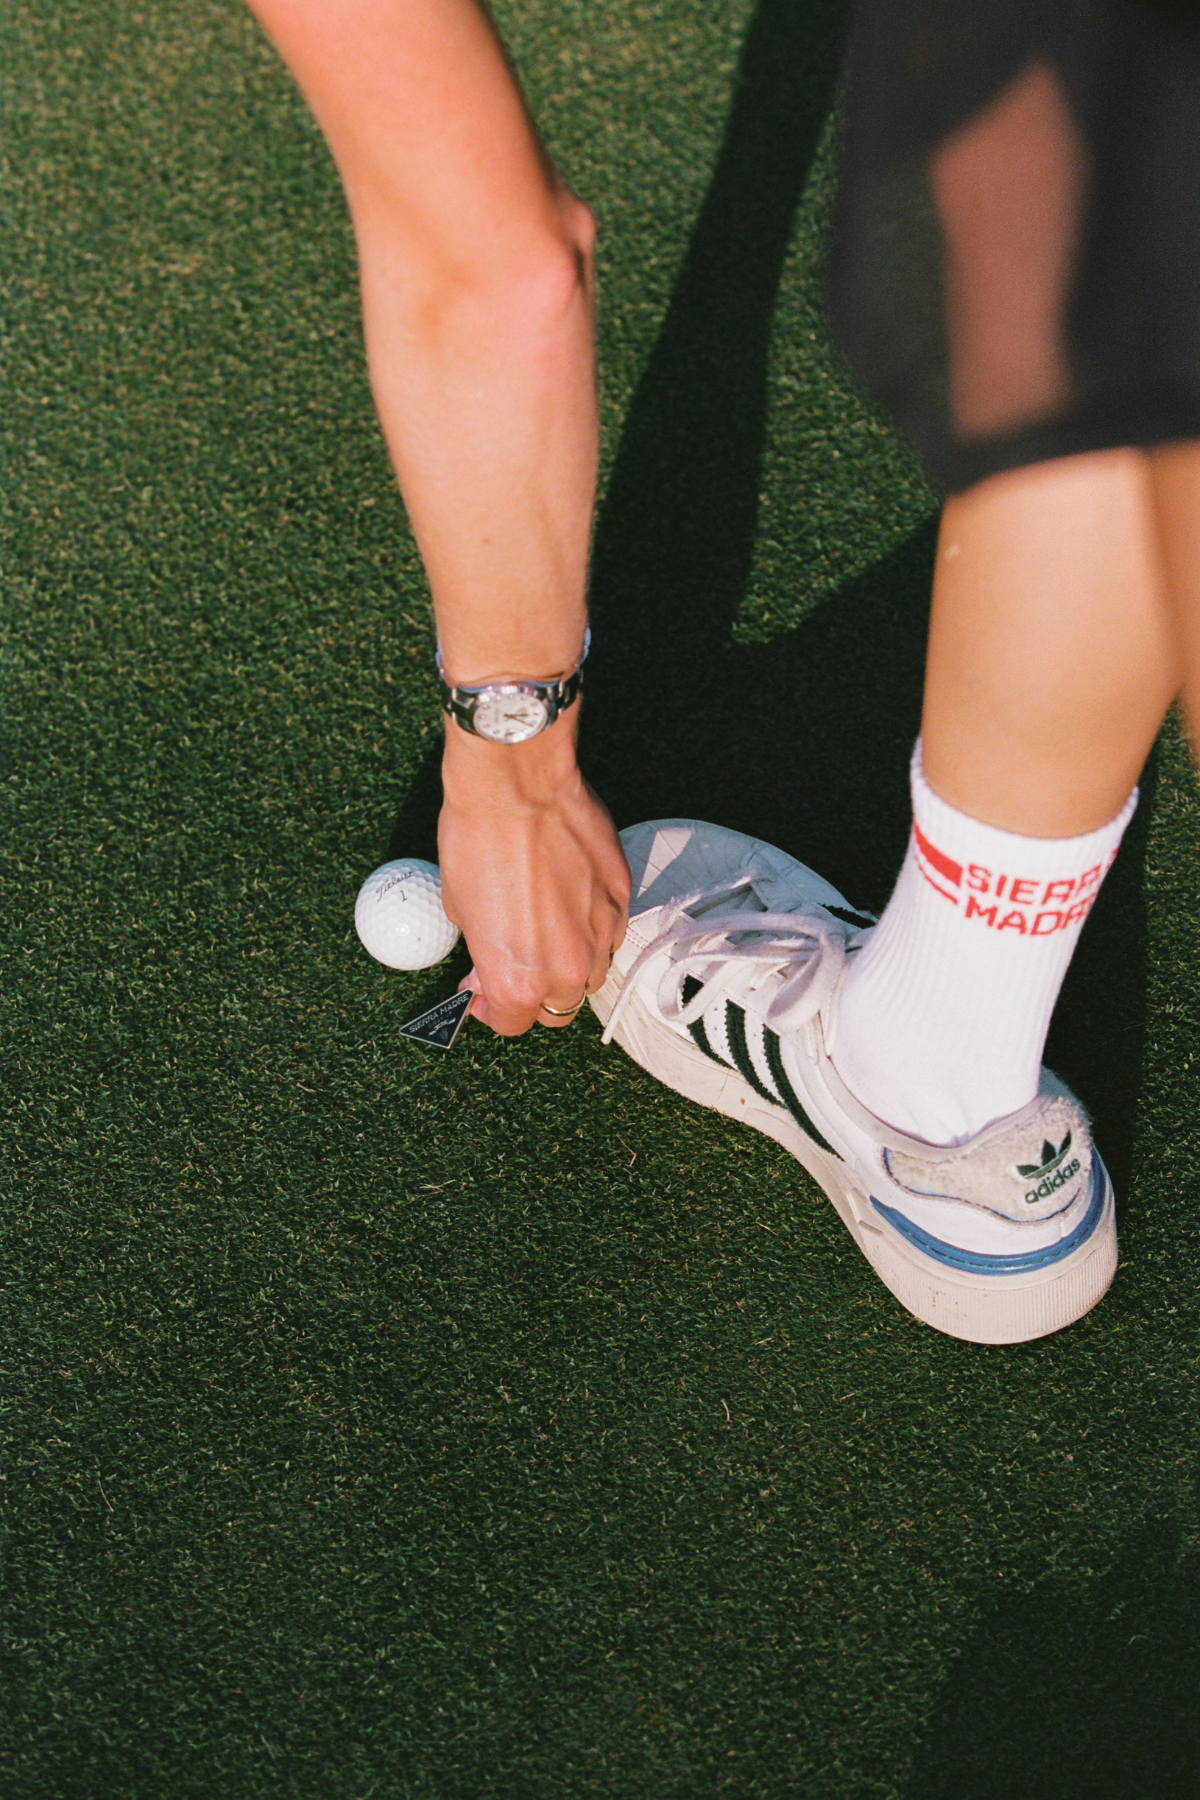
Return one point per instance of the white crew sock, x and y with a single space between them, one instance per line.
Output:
944 1013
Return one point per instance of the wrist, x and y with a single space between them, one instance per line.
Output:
510 710
478 775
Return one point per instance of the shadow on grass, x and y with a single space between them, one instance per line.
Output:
804 741
1077 1699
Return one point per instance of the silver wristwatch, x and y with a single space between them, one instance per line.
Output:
511 712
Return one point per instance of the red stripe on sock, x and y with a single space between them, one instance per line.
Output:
944 892
951 870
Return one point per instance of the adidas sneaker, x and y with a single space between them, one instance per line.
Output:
726 989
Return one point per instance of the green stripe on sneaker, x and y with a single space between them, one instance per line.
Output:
699 1037
735 1027
696 1029
779 1075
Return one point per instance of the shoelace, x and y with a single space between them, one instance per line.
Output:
715 948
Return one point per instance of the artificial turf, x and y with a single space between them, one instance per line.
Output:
384 1425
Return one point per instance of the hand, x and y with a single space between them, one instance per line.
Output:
532 871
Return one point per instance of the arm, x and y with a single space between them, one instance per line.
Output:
476 271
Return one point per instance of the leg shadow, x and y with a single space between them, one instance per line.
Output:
804 741
675 536
1089 1699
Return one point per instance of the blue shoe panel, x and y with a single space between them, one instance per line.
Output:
979 1262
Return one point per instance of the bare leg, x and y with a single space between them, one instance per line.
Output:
1009 187
1053 652
1053 656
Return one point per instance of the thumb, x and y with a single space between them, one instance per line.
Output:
479 1008
504 1021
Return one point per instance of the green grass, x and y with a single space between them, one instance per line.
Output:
384 1425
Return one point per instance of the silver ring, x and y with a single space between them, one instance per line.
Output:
558 1012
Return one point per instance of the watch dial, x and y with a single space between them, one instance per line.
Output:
509 715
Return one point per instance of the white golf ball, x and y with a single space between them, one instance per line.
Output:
399 918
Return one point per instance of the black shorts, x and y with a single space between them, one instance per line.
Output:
1015 264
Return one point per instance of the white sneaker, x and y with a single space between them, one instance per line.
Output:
726 989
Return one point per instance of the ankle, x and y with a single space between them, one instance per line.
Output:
944 1013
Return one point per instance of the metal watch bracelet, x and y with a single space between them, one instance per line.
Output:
511 712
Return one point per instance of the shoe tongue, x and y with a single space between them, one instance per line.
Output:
741 900
775 893
1030 1169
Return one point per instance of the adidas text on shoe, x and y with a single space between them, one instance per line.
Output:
726 990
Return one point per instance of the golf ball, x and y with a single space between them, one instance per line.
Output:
399 918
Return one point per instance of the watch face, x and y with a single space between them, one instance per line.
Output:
509 715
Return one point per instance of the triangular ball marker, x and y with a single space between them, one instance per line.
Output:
442 1023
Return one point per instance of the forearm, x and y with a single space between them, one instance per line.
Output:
486 397
476 285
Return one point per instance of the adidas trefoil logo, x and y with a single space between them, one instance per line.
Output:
1048 1175
1050 1158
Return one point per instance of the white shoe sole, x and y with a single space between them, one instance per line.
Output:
983 1309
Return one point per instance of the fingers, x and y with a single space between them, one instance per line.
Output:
510 1010
602 962
552 1014
497 1006
509 1004
510 1001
